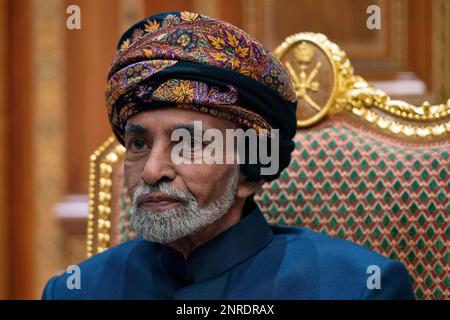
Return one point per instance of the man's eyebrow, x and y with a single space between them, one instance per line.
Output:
135 129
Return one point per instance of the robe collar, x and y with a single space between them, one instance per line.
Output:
231 247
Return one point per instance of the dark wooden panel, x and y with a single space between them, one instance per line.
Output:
419 39
20 173
343 20
4 189
89 54
153 7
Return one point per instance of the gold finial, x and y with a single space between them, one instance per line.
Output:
426 107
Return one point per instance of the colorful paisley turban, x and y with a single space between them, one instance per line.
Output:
188 60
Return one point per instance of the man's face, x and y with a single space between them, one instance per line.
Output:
171 200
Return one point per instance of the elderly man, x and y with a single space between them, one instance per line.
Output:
200 235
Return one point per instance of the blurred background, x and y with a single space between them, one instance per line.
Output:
52 113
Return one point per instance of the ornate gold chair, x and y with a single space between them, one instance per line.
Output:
366 168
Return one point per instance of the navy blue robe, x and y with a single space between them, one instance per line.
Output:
250 260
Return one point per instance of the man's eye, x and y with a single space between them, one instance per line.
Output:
137 145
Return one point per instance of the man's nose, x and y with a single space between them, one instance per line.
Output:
159 165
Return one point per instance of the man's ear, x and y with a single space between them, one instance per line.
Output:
247 188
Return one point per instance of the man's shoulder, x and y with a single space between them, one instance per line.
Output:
343 264
325 246
80 281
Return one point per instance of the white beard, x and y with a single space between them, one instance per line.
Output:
165 226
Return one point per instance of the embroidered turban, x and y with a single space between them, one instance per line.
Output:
188 60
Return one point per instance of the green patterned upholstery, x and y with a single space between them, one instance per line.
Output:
363 187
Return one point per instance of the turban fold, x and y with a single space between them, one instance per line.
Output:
188 60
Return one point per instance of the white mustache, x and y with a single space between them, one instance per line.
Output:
163 188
